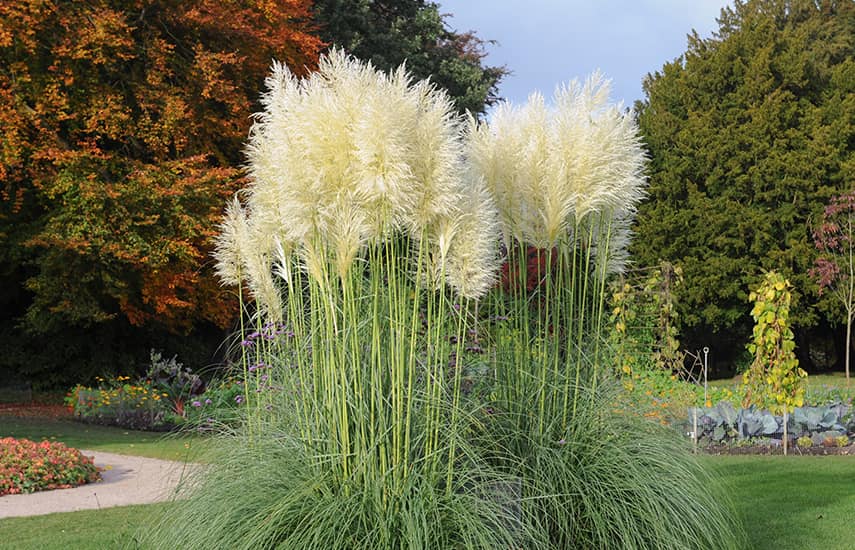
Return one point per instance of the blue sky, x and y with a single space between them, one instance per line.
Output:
547 42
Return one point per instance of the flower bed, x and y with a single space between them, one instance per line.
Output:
26 466
120 403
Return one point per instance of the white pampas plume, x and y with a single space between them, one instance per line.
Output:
349 155
435 159
257 267
382 126
610 238
600 145
282 262
551 167
492 151
472 238
229 244
348 232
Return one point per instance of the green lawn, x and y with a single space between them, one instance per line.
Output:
88 530
817 385
792 502
101 438
784 502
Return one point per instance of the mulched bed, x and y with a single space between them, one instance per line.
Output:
816 450
35 410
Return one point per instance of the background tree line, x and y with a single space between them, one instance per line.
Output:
124 123
751 133
123 128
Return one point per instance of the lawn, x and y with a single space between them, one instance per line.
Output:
101 438
87 530
784 502
817 385
792 502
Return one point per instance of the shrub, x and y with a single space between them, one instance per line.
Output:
26 466
173 380
804 442
612 481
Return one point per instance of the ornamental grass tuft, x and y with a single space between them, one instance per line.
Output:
370 241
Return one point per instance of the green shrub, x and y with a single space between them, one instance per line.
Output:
611 481
270 492
26 466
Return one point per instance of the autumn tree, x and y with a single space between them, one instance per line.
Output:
750 133
391 32
834 269
123 130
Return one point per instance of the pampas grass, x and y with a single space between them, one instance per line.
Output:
369 240
609 480
272 493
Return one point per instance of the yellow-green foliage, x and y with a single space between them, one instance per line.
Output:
774 379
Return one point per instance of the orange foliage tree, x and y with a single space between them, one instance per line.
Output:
123 123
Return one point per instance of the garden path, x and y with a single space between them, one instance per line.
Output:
125 480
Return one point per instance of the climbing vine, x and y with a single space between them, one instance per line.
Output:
774 379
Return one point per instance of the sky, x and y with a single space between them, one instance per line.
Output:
547 42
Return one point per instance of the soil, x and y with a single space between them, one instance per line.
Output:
794 450
35 410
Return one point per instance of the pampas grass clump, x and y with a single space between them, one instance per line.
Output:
369 243
271 493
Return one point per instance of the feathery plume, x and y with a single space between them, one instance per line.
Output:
230 243
551 167
472 239
349 155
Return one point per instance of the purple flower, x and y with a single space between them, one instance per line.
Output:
238 399
254 335
264 377
252 368
245 343
562 441
208 401
196 404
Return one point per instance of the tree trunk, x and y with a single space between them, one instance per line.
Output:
785 432
848 344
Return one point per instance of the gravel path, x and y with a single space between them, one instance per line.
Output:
125 480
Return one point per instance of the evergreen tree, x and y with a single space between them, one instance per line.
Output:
391 32
750 133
